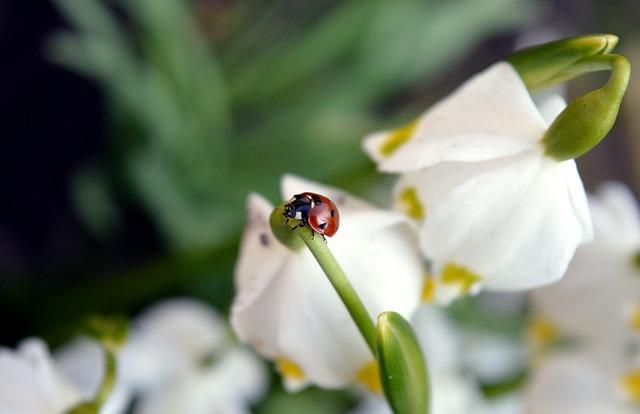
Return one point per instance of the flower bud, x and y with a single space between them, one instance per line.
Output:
588 119
543 65
403 371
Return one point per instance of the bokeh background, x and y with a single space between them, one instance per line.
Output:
132 131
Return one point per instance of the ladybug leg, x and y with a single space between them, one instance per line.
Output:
324 238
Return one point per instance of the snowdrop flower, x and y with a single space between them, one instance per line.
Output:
286 308
226 386
572 383
595 304
30 383
495 211
82 362
170 339
179 359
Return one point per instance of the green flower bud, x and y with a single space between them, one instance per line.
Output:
547 64
588 119
403 371
85 408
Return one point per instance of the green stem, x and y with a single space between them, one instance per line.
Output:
318 247
109 378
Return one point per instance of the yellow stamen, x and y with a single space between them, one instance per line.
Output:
397 138
410 203
289 369
369 376
635 317
631 385
542 332
454 274
429 289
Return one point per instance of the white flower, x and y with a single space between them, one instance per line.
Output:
495 211
171 338
30 383
82 362
227 386
572 383
178 359
595 306
287 309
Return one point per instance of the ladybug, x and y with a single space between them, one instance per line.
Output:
320 213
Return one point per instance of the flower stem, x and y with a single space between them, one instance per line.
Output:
109 378
318 247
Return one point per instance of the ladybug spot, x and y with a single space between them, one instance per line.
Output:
333 213
322 226
264 239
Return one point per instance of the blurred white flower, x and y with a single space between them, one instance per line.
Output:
594 306
572 383
493 358
179 358
170 339
226 386
594 303
495 211
30 383
82 362
286 308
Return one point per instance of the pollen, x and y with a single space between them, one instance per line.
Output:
630 384
410 203
454 274
397 138
369 376
428 289
289 369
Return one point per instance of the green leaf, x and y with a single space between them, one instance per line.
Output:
403 370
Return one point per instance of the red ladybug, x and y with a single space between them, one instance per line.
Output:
316 210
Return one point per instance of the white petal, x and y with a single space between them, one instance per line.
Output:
550 103
493 358
30 383
260 252
230 385
82 362
170 338
372 144
293 312
516 221
616 216
291 184
489 116
438 338
569 383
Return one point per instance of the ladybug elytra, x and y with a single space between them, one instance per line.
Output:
318 211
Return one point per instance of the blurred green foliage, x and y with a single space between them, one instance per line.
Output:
199 122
